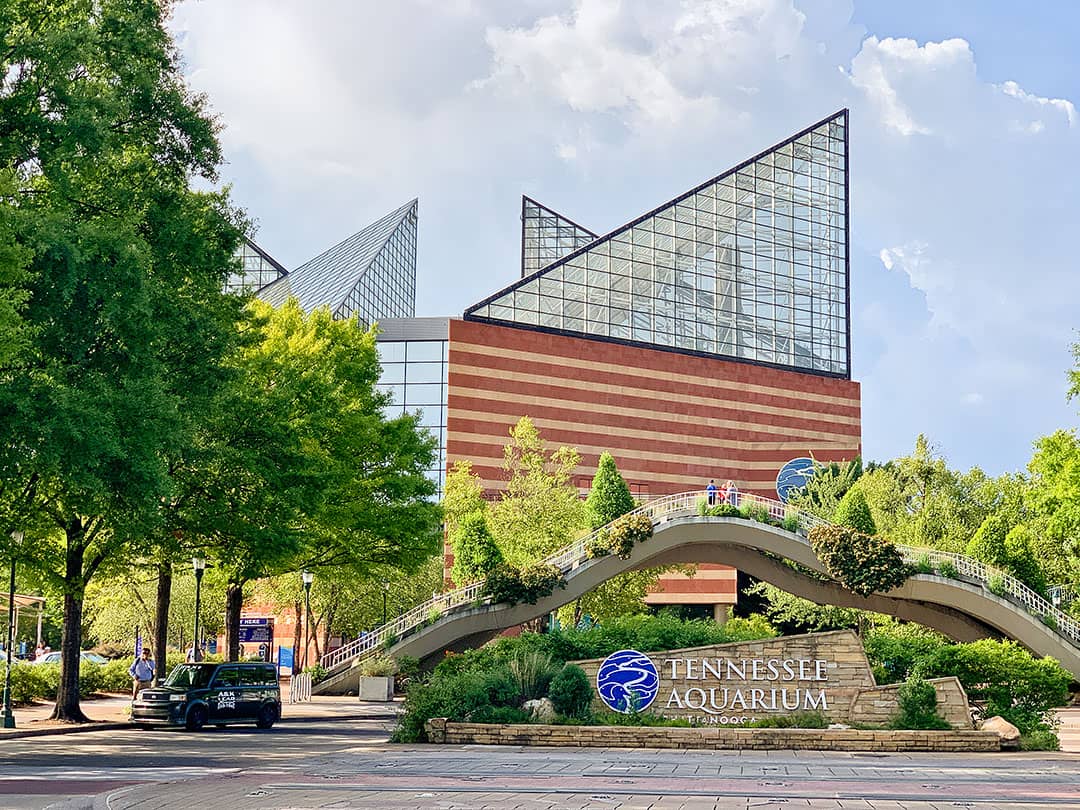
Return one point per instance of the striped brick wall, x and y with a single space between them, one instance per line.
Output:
672 421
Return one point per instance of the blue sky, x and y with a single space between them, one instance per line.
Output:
964 171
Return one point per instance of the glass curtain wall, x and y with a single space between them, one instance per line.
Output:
752 265
414 374
546 236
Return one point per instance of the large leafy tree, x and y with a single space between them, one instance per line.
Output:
540 511
306 471
1053 500
121 267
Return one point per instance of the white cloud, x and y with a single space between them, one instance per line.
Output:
964 191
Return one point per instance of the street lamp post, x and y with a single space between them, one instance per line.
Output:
308 577
9 715
198 564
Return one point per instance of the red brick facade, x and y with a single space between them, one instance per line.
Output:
672 421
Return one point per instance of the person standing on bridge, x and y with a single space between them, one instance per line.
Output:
732 493
710 490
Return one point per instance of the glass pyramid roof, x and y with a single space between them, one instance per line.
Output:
751 265
547 236
372 273
257 269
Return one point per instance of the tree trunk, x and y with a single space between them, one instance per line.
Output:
161 620
298 606
327 629
67 694
234 604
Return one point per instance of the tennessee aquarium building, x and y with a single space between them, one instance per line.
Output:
709 338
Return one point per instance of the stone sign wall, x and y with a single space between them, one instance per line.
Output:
734 684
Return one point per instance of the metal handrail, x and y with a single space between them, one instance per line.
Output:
673 506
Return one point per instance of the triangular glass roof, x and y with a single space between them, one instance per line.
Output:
372 273
257 269
547 236
751 265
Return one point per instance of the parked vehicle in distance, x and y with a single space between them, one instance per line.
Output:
54 658
195 695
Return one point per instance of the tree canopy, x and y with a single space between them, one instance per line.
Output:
119 267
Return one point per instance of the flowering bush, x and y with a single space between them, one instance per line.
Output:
864 564
529 584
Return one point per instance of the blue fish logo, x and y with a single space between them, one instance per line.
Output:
627 681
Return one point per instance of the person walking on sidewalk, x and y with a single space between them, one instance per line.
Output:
142 672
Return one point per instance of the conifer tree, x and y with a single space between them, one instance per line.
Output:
609 496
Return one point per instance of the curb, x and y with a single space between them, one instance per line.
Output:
79 728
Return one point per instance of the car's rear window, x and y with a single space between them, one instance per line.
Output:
258 676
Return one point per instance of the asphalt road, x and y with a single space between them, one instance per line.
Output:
348 764
38 772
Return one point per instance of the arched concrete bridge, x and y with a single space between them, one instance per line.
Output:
963 608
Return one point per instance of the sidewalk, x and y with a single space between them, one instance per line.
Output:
110 712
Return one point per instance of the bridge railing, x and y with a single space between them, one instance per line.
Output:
1004 585
681 505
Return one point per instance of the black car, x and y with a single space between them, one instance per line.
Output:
196 694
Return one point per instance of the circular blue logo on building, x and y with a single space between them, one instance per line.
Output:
627 681
793 475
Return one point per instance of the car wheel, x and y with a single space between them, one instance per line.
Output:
268 715
196 718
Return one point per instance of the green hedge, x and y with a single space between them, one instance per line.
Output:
1004 678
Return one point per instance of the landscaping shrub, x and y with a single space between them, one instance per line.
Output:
460 684
757 512
91 679
627 531
996 585
793 720
458 696
318 673
719 510
28 683
751 628
1005 679
533 671
1042 738
791 522
379 665
896 647
513 586
864 564
597 545
923 565
571 692
115 677
499 714
918 706
948 570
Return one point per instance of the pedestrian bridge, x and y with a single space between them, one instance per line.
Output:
962 607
